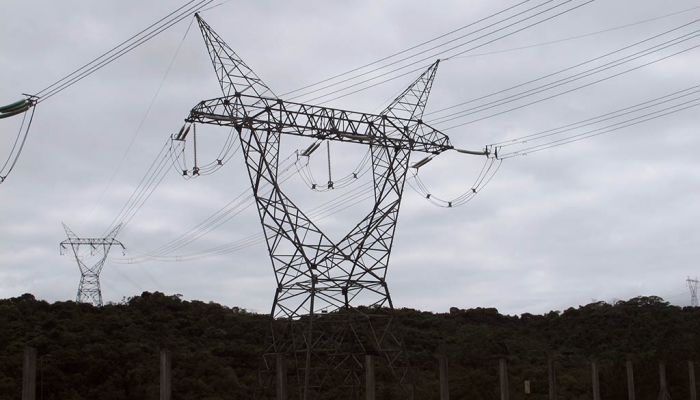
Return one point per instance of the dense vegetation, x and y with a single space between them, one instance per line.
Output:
106 353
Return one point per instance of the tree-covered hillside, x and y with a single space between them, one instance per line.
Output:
85 352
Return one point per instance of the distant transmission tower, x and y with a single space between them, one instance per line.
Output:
332 305
693 286
89 289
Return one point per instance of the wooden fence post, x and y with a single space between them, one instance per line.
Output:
444 385
552 380
630 380
165 375
596 383
29 374
370 384
503 372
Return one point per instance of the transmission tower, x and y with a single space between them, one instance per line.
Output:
89 289
332 304
693 286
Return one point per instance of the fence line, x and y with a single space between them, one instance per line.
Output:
29 378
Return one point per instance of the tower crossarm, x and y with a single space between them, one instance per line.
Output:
243 111
92 242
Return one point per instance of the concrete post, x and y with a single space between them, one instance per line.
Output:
662 375
165 375
444 385
596 383
552 380
371 388
29 374
630 380
281 376
691 378
663 391
503 372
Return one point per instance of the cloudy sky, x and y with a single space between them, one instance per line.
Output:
610 217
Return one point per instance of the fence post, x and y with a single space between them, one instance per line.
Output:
663 391
282 376
552 377
444 385
662 375
630 380
691 376
369 378
503 372
165 375
596 383
29 374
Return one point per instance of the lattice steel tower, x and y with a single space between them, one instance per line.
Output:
89 289
332 304
693 286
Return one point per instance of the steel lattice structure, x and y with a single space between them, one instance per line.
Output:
693 286
316 318
89 289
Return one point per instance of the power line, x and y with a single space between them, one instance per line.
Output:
511 33
98 63
427 50
589 34
574 89
565 69
168 155
569 79
121 49
326 209
604 117
308 178
479 184
143 120
20 139
433 56
146 186
610 128
212 222
476 55
223 215
406 50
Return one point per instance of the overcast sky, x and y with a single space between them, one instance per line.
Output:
610 217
